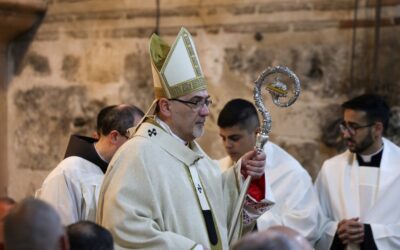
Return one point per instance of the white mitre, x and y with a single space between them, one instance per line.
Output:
176 70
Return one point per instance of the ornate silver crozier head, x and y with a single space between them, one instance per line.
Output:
284 87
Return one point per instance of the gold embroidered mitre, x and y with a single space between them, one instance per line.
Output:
176 70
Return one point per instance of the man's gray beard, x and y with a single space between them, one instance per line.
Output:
197 133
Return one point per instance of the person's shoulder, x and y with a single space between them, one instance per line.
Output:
274 149
68 164
225 163
336 162
341 156
394 147
280 157
391 153
66 169
332 170
136 148
140 142
75 166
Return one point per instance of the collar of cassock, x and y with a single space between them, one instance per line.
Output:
152 130
373 160
83 147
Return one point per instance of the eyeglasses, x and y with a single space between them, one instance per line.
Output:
352 128
195 105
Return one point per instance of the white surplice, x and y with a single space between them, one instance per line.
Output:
296 204
73 188
338 188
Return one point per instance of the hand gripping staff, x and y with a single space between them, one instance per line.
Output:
280 96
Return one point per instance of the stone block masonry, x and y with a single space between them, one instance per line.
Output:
87 54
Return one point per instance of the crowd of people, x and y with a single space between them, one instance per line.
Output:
143 182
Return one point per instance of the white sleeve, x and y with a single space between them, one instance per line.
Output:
386 236
64 195
302 212
253 209
327 225
298 209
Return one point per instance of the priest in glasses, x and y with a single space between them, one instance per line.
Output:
161 190
358 189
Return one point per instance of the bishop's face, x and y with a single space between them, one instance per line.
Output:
189 114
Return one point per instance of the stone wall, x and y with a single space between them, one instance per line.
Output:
91 53
17 18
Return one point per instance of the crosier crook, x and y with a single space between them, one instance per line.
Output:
278 90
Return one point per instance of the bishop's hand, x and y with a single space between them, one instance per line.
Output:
253 164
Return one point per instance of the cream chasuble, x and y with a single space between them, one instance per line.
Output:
148 199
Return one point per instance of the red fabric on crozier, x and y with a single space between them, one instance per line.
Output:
257 188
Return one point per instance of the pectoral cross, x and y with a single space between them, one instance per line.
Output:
199 188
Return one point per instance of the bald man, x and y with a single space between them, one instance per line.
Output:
274 238
34 225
